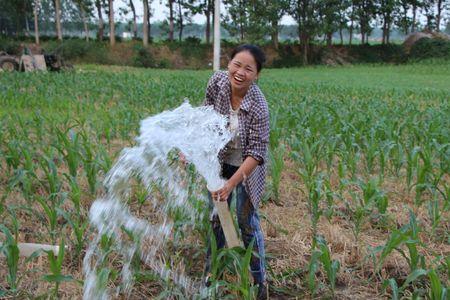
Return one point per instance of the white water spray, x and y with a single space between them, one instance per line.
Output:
199 133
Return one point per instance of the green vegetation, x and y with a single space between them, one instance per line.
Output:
430 48
362 149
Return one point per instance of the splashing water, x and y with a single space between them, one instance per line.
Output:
199 133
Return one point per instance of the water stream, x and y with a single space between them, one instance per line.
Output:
199 133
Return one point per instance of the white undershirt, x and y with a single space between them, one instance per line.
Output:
233 155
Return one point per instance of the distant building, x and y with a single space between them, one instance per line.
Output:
127 35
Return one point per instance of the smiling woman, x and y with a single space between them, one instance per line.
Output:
236 95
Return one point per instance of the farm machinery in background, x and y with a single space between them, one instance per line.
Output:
32 62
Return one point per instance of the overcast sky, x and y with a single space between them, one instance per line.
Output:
160 12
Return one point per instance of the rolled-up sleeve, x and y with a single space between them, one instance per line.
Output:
258 136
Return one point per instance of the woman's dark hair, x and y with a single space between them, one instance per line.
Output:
255 51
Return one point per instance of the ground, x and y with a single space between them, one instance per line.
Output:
342 116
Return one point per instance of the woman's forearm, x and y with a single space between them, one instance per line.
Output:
247 167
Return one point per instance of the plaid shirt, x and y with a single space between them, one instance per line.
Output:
253 127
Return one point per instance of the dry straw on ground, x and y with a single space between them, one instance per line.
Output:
288 237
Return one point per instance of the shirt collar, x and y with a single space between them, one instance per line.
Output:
248 99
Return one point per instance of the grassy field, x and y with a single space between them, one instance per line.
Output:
357 203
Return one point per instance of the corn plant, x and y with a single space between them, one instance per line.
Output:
397 158
437 290
236 261
384 156
313 267
276 158
104 275
342 171
68 146
275 130
362 205
412 158
330 150
434 213
330 196
314 198
38 125
12 155
79 227
52 182
75 193
241 262
11 252
89 163
405 236
104 159
414 258
446 196
446 265
397 292
306 154
56 263
50 214
424 170
24 181
371 150
331 266
373 194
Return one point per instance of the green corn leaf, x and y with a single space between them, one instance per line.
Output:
413 276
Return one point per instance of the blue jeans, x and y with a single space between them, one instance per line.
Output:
249 226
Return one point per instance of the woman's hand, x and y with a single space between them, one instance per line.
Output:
182 158
223 193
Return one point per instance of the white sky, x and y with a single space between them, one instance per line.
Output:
160 12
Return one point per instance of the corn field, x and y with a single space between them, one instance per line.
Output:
357 198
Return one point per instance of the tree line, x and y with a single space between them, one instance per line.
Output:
245 20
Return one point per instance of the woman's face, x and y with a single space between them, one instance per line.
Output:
242 70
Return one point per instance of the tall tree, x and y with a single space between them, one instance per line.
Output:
386 11
441 5
14 14
260 20
149 14
171 18
248 20
428 9
416 4
112 31
146 23
402 18
57 4
352 15
205 7
273 11
255 20
183 16
365 11
85 7
133 11
305 14
180 19
209 12
343 18
100 32
236 20
330 19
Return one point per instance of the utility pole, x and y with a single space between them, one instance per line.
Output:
216 61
